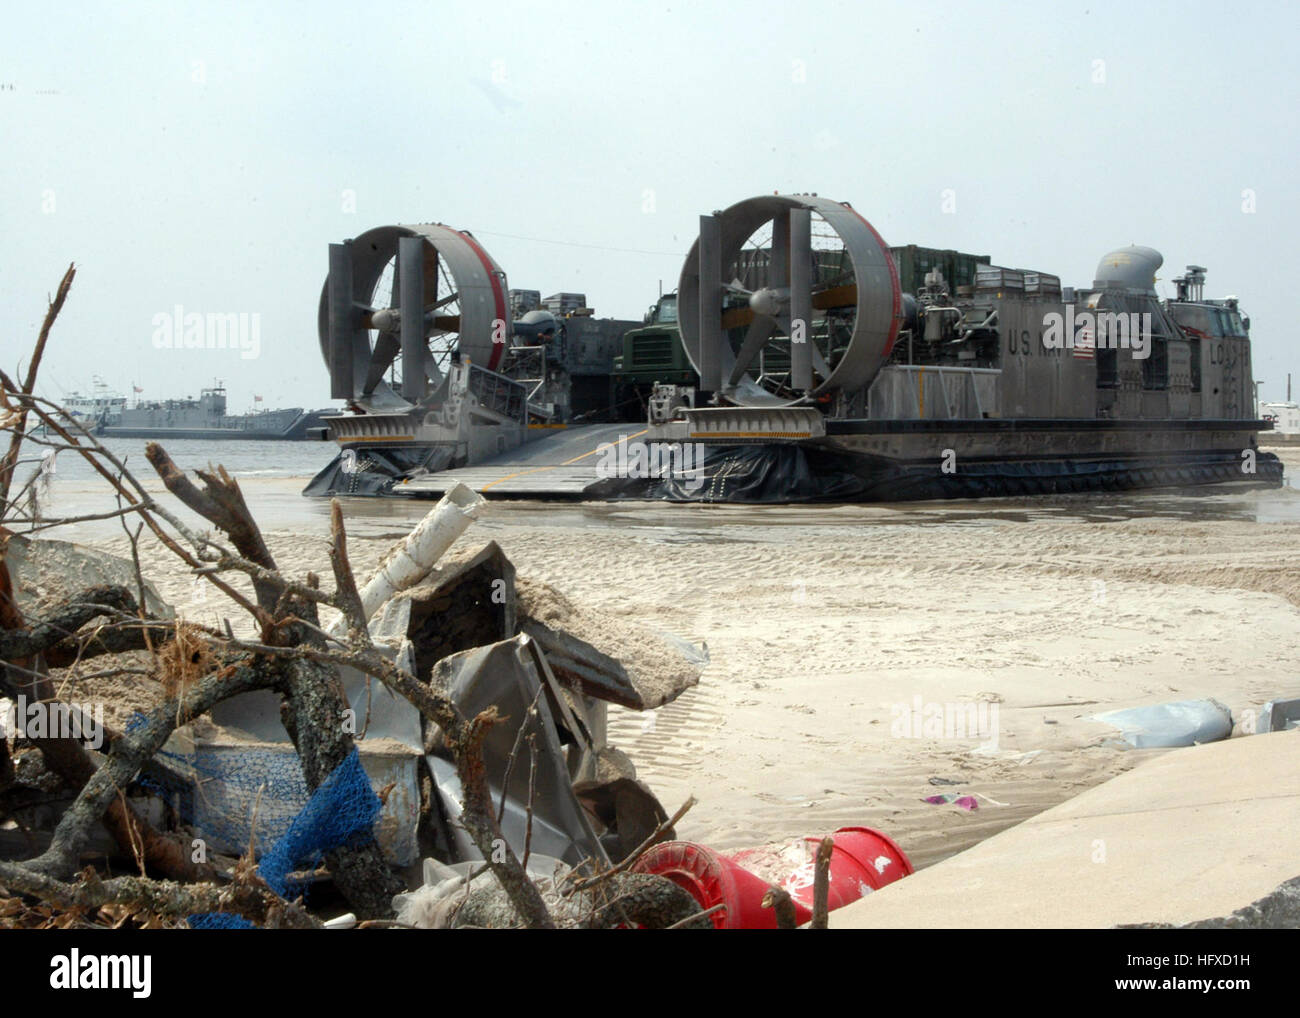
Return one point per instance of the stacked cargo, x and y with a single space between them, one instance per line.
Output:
523 301
1042 284
563 304
994 277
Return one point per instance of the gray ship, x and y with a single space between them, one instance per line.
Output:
205 417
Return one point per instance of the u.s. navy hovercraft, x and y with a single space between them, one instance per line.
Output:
800 359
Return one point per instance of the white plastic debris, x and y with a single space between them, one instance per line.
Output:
1164 725
409 563
432 905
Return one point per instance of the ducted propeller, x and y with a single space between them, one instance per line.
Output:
428 293
823 308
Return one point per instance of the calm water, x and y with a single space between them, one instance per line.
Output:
272 475
242 459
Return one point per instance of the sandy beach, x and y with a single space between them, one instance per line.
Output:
834 631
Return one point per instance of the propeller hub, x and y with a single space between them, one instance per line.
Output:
765 301
387 320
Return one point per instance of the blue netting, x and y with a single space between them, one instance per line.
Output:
342 811
236 796
219 921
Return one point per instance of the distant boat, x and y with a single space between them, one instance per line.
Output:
1285 417
204 417
89 410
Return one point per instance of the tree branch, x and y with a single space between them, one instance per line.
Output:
10 460
252 900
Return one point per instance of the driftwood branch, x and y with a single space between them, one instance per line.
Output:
348 598
131 751
779 900
17 644
111 638
315 706
821 885
19 426
221 503
251 899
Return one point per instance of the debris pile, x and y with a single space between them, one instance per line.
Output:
533 670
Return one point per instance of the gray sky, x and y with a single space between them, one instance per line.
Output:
204 155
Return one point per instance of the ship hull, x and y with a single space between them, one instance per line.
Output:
288 428
216 434
856 461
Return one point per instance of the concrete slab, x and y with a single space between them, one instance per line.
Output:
1192 834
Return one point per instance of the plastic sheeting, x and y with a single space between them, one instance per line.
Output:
803 473
374 470
1162 725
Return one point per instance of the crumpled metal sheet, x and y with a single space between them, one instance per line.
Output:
512 675
1279 716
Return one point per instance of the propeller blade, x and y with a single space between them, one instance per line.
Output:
711 335
387 346
800 268
836 297
819 362
341 319
410 265
778 273
759 333
734 318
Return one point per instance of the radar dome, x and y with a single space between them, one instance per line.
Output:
1129 268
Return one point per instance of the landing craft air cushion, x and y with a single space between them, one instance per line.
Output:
825 366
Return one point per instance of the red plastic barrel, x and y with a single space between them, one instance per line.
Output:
712 879
862 861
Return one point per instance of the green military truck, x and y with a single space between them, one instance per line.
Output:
652 354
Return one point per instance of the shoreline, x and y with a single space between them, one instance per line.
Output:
820 625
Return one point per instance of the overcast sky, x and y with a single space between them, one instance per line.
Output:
206 155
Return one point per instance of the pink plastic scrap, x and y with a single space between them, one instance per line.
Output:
964 801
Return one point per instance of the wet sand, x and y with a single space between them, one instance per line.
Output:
829 626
